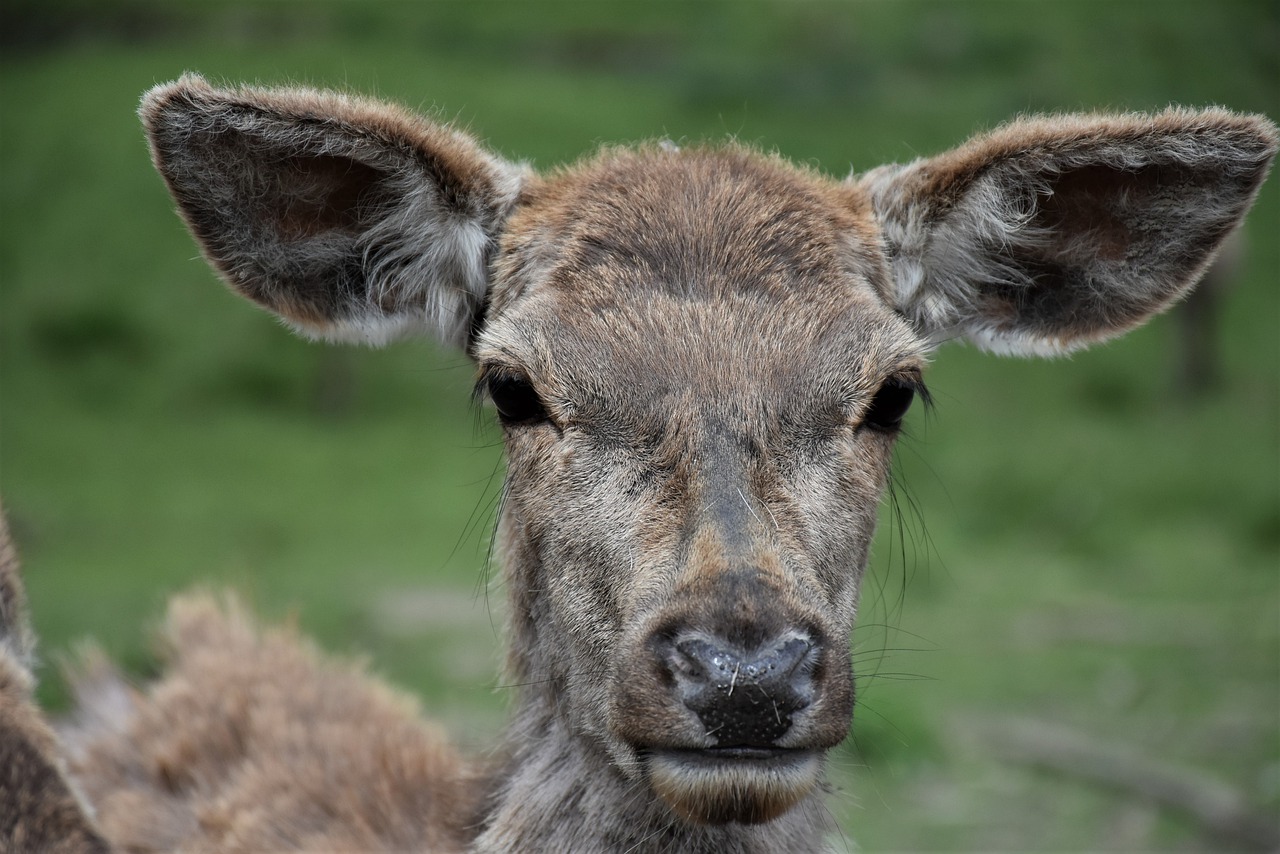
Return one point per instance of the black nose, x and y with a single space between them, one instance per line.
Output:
744 698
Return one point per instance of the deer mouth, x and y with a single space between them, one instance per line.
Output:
748 785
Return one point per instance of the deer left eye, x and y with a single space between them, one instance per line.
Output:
890 405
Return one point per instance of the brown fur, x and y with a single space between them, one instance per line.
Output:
1098 218
338 172
39 809
253 742
700 359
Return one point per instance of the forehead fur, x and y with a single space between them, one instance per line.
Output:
696 223
716 258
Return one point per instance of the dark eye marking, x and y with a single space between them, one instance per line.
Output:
514 397
890 404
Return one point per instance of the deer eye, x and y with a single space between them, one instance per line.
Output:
890 405
515 399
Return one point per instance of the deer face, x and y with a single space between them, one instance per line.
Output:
701 360
700 389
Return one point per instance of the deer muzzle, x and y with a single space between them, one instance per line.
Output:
734 701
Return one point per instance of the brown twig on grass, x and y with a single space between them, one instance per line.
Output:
1221 810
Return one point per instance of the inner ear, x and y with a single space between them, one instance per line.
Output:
1081 202
1101 212
1093 224
324 193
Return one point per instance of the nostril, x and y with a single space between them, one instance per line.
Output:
702 661
744 697
791 658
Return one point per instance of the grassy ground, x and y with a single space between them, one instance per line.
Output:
1091 550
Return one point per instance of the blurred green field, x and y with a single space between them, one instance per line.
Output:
1079 545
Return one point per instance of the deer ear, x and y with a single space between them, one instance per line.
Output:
351 220
1053 233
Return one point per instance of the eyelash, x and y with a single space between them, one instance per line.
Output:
891 402
513 396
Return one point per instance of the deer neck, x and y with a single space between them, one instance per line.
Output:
557 790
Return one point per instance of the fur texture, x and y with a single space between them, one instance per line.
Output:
351 220
1050 234
40 809
700 357
252 742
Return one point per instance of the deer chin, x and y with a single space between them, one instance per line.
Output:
739 784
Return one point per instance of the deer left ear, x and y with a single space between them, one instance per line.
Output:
350 219
1050 234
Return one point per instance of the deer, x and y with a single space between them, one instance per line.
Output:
40 808
700 357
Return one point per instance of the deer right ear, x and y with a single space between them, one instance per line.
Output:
350 219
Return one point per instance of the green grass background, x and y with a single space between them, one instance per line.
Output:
1090 549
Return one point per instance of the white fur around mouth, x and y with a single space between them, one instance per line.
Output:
741 784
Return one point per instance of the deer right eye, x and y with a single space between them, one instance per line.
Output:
515 400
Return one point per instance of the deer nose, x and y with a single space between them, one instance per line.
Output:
744 698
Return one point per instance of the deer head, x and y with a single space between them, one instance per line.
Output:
700 359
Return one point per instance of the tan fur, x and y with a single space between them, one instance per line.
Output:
252 742
701 358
